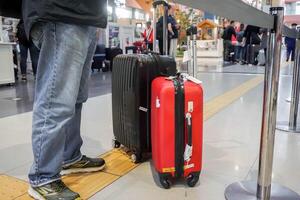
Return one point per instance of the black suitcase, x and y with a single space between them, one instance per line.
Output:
111 53
99 57
252 53
131 98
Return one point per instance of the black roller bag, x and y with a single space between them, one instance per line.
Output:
111 53
131 98
99 57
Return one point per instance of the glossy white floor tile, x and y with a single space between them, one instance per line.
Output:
231 144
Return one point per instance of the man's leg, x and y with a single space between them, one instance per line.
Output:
293 54
174 49
64 49
288 53
73 142
23 62
161 48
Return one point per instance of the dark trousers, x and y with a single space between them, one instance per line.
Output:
150 46
290 50
238 53
227 50
161 47
34 55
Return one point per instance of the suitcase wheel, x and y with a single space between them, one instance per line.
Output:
116 144
165 182
192 180
136 157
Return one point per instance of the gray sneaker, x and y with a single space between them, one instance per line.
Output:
84 165
53 191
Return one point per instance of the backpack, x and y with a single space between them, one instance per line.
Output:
255 38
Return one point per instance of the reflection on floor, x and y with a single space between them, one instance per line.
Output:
231 140
19 98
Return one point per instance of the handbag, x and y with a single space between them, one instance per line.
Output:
11 8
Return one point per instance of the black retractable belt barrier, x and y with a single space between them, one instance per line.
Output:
232 9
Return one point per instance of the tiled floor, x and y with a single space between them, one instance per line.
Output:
231 139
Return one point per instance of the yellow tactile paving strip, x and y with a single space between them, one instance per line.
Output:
118 163
217 104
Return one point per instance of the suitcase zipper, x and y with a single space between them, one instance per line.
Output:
179 127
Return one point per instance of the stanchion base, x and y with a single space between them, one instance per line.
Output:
284 126
247 191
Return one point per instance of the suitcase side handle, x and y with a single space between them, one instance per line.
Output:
189 146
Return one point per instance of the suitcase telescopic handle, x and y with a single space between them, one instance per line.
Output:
189 128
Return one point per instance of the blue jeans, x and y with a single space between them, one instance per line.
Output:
238 53
66 53
290 52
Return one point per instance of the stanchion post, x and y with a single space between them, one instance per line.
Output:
270 106
292 125
165 30
154 25
264 189
295 89
188 40
194 46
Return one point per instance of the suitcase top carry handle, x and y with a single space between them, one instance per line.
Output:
160 2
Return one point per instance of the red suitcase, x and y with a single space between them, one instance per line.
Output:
176 128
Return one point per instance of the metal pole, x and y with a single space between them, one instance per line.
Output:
262 190
154 28
194 52
1 30
189 50
165 31
270 107
295 89
291 125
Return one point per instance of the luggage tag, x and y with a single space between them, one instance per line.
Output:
194 80
188 149
188 153
187 77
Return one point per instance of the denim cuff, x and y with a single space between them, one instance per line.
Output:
44 181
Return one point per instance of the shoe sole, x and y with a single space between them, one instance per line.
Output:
35 194
81 170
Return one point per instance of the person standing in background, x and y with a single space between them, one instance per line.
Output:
26 45
250 38
148 36
290 44
227 36
239 45
173 28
